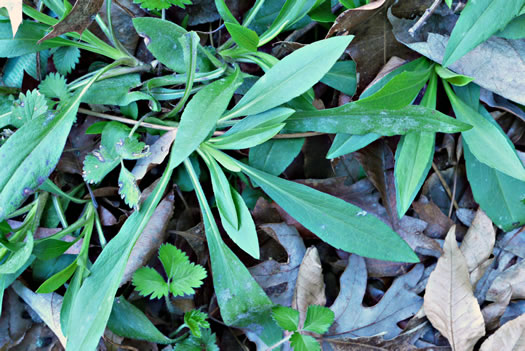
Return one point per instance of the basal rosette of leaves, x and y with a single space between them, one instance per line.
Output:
206 128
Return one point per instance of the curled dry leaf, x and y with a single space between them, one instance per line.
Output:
493 312
80 17
511 336
309 289
14 9
513 276
159 150
449 301
152 237
479 241
47 306
438 223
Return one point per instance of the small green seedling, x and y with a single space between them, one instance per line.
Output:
318 320
182 275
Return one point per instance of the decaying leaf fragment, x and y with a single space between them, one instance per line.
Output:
14 9
309 289
80 17
479 241
449 301
511 336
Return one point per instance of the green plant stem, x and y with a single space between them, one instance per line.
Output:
52 188
113 37
59 211
120 71
22 210
282 341
253 12
100 232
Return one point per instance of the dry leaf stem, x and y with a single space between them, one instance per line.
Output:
424 18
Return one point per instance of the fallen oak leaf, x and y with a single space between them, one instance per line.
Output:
14 9
449 301
80 17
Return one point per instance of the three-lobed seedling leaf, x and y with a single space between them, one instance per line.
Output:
183 277
318 320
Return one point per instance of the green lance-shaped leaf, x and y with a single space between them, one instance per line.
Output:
486 140
478 21
92 305
242 301
355 119
339 223
31 154
414 157
291 77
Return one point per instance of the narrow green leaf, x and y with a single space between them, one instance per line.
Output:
240 298
275 155
225 12
486 140
291 77
338 223
478 21
286 317
414 156
346 143
451 77
244 37
201 114
94 299
342 77
398 92
222 192
128 321
58 279
318 319
355 119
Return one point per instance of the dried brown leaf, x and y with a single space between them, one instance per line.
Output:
309 289
151 238
449 301
14 9
493 312
510 337
479 241
159 150
438 223
80 17
513 276
47 306
374 43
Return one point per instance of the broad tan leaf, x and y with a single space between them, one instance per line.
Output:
309 289
77 20
14 9
479 241
449 302
510 337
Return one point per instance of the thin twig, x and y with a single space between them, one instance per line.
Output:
454 188
445 185
424 18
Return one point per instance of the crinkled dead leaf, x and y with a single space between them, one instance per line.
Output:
511 336
513 276
450 304
399 302
14 9
159 150
493 312
80 17
479 241
438 223
151 238
309 288
374 42
496 64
